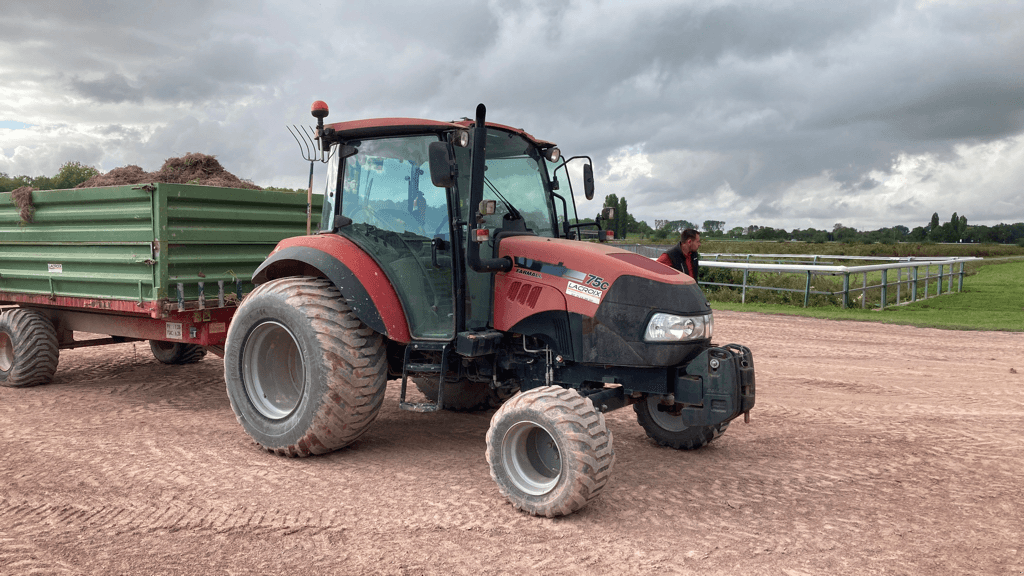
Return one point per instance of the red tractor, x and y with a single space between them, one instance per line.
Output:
471 283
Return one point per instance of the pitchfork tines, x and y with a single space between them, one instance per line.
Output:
307 141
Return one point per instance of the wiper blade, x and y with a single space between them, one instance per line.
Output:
516 215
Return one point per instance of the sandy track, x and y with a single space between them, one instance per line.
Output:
872 449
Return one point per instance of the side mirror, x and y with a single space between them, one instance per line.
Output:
588 181
442 167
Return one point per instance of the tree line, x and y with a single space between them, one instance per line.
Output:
624 223
955 230
69 175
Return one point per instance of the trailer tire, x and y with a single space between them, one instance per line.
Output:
304 375
550 451
176 352
29 350
668 430
459 396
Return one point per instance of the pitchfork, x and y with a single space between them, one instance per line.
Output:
307 142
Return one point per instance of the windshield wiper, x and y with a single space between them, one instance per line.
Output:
516 215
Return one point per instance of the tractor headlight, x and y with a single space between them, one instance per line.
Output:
671 328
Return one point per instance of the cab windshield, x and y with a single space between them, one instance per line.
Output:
515 176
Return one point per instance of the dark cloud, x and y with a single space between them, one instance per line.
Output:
111 88
982 110
114 52
796 110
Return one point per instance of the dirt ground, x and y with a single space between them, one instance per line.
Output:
873 449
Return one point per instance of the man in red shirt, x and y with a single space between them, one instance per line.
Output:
684 256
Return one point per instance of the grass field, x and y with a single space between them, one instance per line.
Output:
992 299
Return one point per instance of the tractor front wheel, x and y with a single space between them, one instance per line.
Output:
668 429
549 451
304 375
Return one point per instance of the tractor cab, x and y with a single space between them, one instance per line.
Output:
401 189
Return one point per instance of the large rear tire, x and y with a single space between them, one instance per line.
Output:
304 375
550 451
29 350
176 352
668 430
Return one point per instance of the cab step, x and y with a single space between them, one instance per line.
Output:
407 367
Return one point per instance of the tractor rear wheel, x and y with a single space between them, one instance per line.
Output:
176 352
304 375
668 430
459 396
549 451
29 350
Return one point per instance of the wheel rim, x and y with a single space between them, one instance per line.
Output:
6 352
664 419
272 370
530 455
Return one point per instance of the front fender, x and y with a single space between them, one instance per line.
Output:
362 283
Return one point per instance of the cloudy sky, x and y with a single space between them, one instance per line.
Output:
777 113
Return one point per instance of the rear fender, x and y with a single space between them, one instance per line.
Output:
360 279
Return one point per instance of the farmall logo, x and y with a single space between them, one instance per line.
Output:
585 292
528 273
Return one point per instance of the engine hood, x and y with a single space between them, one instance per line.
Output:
584 273
606 295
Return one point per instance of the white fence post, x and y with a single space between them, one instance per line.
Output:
846 290
864 293
899 283
885 289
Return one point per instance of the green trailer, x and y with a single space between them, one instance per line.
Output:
168 263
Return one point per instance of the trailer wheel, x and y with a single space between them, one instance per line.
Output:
304 375
176 352
459 396
669 430
29 350
550 451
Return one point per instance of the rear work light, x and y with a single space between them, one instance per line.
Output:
482 234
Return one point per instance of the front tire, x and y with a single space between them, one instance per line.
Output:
549 451
29 350
304 375
176 352
668 430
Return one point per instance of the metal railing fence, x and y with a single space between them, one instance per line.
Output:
910 284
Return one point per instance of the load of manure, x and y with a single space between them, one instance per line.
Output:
192 168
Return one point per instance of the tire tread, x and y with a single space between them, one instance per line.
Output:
36 349
349 405
589 438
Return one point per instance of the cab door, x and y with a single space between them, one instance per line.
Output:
396 213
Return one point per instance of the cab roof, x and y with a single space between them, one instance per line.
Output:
383 127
